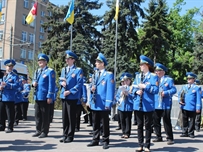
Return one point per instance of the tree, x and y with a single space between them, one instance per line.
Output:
155 42
127 52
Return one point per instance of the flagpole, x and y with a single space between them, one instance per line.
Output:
116 43
71 36
34 39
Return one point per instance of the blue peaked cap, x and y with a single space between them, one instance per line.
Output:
15 71
102 58
144 59
125 75
43 56
9 62
70 54
191 75
197 82
159 66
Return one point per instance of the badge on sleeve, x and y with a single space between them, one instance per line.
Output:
81 75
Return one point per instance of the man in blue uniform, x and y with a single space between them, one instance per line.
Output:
44 83
163 104
25 93
102 97
71 81
190 101
8 88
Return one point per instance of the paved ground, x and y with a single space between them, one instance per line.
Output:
21 140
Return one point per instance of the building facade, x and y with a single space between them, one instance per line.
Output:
17 38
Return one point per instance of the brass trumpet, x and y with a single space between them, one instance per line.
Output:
85 108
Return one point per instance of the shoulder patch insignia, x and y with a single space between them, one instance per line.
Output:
157 83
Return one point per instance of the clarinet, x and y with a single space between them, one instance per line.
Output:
142 78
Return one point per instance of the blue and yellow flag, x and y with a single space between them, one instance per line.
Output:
70 14
0 9
117 10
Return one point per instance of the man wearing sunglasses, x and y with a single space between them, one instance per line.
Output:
190 101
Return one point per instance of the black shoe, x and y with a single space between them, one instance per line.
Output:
63 139
158 140
105 146
15 123
89 125
93 143
1 129
119 128
9 131
36 134
197 130
85 122
191 136
170 142
42 135
184 135
68 140
76 129
135 123
24 119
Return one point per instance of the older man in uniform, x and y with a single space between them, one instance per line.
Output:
71 81
163 104
102 97
8 88
190 101
44 83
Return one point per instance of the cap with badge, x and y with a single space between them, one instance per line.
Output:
102 58
70 54
146 60
43 56
127 75
160 67
9 62
191 75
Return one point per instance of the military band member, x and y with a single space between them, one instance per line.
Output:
8 88
163 104
124 97
82 100
71 81
102 96
25 93
44 83
146 84
198 115
190 104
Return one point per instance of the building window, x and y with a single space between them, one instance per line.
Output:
24 19
31 38
40 44
41 37
24 36
26 3
1 52
30 55
41 22
1 35
2 18
41 29
23 53
3 3
42 13
50 13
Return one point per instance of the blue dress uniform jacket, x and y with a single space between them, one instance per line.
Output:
46 84
169 89
74 82
25 92
8 93
83 95
125 103
18 93
148 96
192 97
104 94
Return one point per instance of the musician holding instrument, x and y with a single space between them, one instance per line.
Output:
25 93
124 98
146 86
8 88
163 104
44 84
71 82
81 104
102 97
190 104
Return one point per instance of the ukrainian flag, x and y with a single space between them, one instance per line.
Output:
0 9
70 14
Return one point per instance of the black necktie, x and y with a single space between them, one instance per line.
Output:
189 86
